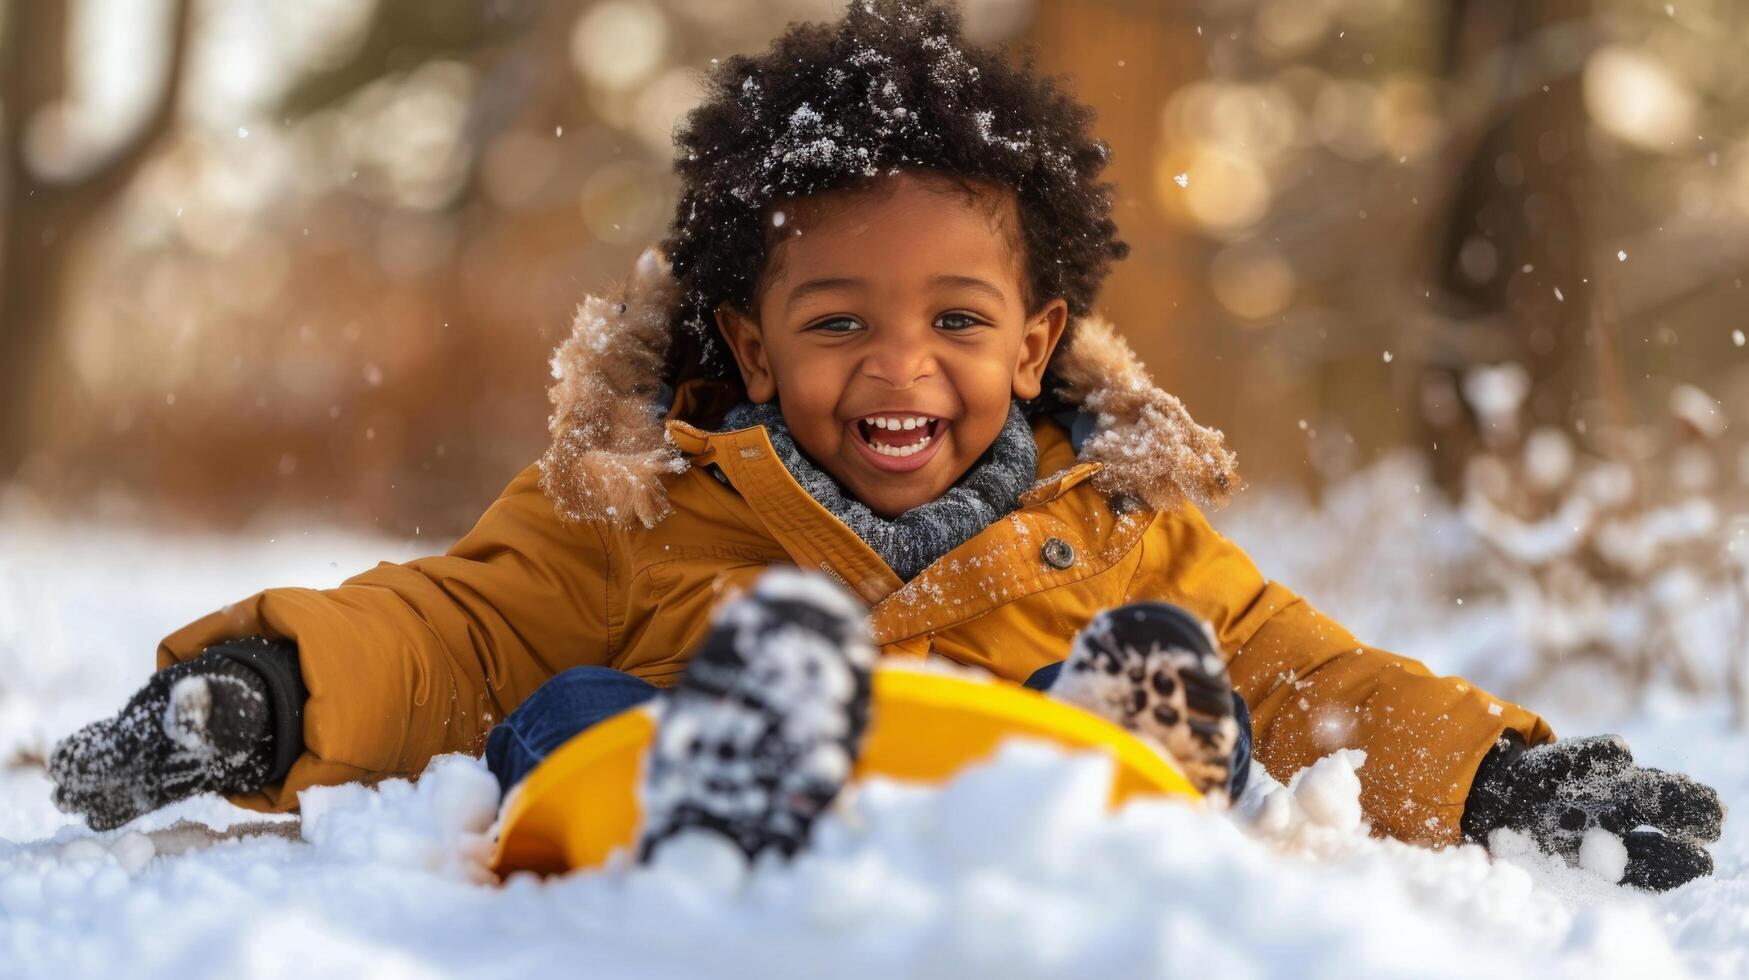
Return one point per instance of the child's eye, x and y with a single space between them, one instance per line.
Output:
955 322
838 324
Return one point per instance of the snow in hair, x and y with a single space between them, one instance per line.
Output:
891 86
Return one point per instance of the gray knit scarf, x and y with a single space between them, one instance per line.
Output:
910 542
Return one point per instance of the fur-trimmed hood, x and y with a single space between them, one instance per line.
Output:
610 447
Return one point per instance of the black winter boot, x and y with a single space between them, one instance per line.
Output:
761 733
1152 668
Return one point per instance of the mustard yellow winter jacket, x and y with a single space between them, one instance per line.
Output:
616 547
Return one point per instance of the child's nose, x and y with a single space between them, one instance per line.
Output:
900 364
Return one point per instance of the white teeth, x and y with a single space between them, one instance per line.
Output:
890 423
895 422
900 450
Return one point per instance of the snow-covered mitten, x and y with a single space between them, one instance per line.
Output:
1152 668
205 725
1559 793
762 731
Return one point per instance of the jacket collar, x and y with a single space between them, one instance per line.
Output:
612 444
704 447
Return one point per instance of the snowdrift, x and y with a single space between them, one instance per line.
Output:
1015 868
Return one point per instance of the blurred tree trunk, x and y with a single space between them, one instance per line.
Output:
43 215
1125 58
40 216
1515 263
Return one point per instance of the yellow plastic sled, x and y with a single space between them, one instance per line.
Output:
581 804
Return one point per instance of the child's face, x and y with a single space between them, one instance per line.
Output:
903 304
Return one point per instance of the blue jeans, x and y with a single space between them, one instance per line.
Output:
576 699
569 702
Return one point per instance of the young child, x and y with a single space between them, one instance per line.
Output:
869 352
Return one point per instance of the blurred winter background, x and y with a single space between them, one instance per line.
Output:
1463 281
273 265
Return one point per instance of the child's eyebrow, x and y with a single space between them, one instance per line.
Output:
812 286
970 282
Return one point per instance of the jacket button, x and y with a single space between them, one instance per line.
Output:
1057 553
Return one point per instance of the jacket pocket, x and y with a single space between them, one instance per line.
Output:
707 564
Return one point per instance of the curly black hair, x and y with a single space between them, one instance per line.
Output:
891 86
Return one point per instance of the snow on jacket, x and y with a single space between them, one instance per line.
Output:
616 546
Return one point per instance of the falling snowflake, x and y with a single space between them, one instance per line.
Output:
1182 180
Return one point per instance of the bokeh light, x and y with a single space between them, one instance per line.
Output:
1254 280
1638 99
616 44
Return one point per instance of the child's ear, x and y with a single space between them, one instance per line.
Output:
741 333
1039 340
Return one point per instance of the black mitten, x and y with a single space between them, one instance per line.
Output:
207 725
1555 793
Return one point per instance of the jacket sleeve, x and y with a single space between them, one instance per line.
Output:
407 661
1313 688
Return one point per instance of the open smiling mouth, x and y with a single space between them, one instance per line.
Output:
899 436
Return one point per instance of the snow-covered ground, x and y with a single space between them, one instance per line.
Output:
1012 870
